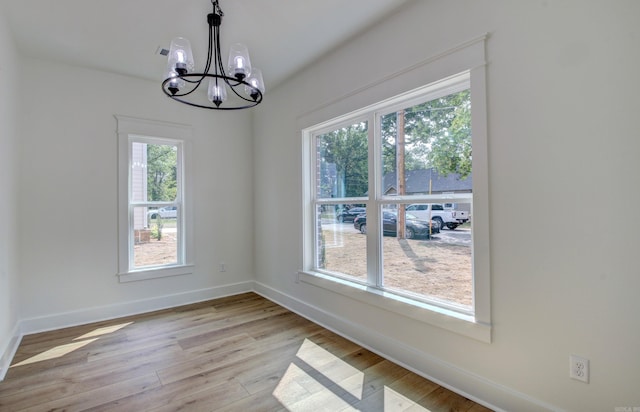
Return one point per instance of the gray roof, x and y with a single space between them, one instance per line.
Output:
417 181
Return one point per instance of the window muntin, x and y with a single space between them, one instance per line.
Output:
393 265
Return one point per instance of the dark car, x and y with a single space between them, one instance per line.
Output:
413 226
348 215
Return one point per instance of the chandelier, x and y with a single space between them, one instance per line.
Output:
239 87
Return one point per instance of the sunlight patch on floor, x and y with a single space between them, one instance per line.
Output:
298 391
394 401
329 383
320 381
103 331
333 368
77 343
53 353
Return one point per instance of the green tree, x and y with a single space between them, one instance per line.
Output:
346 148
162 169
437 134
443 126
415 153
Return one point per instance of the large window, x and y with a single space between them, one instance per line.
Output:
153 214
391 202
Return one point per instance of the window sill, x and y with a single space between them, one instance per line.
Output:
462 324
154 273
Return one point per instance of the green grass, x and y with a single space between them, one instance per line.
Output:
166 222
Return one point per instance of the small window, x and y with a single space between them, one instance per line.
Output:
155 181
154 220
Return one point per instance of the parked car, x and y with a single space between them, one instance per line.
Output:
414 227
445 217
348 215
164 212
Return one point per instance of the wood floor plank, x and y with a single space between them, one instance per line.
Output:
380 375
140 363
304 390
89 399
334 343
479 408
72 381
206 400
181 395
210 362
264 371
413 386
262 401
443 400
238 353
241 324
384 400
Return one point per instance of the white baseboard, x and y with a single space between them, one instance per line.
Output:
100 313
477 388
8 350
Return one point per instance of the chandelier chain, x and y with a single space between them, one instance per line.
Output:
216 8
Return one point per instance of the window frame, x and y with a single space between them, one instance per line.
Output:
466 60
131 130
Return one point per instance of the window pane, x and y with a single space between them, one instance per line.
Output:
428 260
342 162
340 244
154 172
426 148
155 235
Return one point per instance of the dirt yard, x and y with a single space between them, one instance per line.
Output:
436 267
156 252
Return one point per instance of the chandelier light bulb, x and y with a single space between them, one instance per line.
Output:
256 82
175 82
239 62
217 91
180 56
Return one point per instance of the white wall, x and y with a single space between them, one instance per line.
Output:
563 146
68 196
8 199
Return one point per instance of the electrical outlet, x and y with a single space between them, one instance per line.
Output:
223 267
579 368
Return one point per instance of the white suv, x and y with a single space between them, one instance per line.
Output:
164 212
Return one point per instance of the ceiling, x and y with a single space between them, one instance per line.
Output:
123 36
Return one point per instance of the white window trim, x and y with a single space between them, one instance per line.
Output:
468 57
132 128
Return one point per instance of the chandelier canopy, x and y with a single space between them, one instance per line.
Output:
243 81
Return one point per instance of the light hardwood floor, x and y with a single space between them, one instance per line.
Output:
240 353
